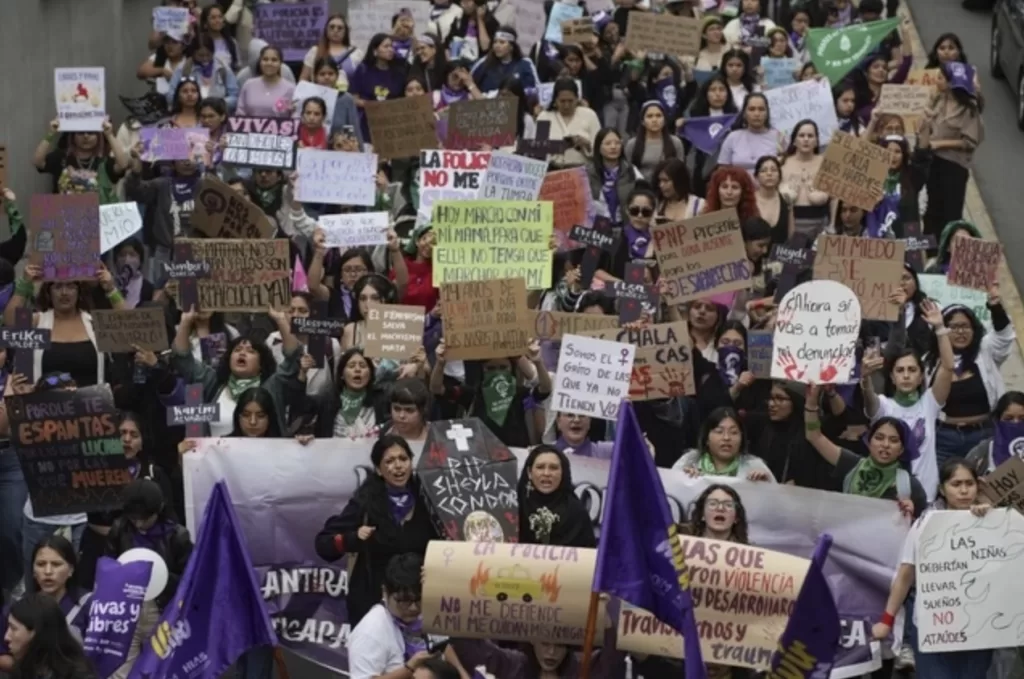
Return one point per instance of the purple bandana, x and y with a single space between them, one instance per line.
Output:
402 48
585 449
412 634
401 503
638 241
450 96
749 23
154 537
205 70
1008 440
731 362
797 40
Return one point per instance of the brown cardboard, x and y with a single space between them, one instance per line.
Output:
220 212
401 128
871 267
393 331
485 319
665 33
118 330
853 170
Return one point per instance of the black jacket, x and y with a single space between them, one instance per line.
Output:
176 548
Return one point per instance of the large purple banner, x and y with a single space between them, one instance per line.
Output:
281 507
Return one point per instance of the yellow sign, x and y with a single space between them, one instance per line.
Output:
482 240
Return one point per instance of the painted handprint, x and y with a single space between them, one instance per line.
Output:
789 366
676 382
831 369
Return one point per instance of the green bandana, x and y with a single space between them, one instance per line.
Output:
871 479
707 466
906 400
892 180
351 404
499 388
238 385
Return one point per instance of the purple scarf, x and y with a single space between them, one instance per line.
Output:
401 503
412 634
205 70
585 449
610 193
129 284
402 48
154 537
798 43
749 23
450 96
638 241
1008 440
731 362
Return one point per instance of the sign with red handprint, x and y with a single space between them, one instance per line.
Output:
816 334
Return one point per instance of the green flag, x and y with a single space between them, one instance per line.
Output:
837 51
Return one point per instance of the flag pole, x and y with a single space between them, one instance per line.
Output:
588 635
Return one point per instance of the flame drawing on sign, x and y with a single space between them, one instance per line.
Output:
549 585
479 579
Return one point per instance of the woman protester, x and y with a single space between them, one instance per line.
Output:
722 451
91 162
41 642
549 511
718 514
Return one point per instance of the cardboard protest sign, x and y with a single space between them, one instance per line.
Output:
172 21
593 376
244 275
184 274
552 325
917 244
779 72
292 27
401 128
468 481
795 260
807 100
174 143
366 18
315 331
871 267
853 170
577 31
22 335
663 362
355 229
569 193
595 240
475 123
923 76
80 93
195 414
937 287
485 319
119 330
541 146
449 175
560 11
664 33
725 572
393 331
147 109
221 213
3 166
336 177
968 581
816 332
474 591
635 297
759 353
904 100
701 257
64 236
479 240
512 177
305 90
1004 486
118 223
69 449
974 263
260 142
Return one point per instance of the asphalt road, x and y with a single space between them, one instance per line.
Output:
997 161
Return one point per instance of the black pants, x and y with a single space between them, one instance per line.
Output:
947 191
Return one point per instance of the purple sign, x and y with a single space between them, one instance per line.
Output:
114 612
293 28
174 143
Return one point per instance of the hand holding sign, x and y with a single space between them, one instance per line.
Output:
816 334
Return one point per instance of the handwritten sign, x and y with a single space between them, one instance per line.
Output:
904 100
474 590
245 275
740 636
854 171
292 27
664 33
305 90
260 142
974 262
923 76
560 11
174 143
569 193
120 330
393 331
401 128
663 363
552 325
816 334
937 287
779 72
512 177
220 212
336 177
871 267
1004 486
366 18
701 257
80 94
807 100
64 236
759 353
172 21
485 319
968 581
593 376
479 240
577 31
449 175
118 223
475 123
355 229
69 449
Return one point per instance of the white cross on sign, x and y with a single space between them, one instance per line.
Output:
461 436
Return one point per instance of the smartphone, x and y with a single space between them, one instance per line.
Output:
439 647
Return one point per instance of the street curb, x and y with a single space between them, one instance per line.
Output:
977 214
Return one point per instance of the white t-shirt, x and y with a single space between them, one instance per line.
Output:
921 418
226 423
375 646
909 554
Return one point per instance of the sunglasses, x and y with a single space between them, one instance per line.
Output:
59 380
637 211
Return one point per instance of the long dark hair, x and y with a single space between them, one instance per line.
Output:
490 61
972 102
890 365
678 173
697 525
514 86
144 436
717 416
62 546
668 150
339 378
385 289
262 398
1009 398
741 119
791 150
372 495
700 107
53 651
267 363
748 73
933 55
968 356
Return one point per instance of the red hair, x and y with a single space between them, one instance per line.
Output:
747 207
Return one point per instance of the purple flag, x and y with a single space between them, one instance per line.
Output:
639 558
707 133
114 612
808 646
217 613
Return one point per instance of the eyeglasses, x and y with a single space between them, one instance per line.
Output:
354 270
727 505
961 328
637 211
775 398
62 379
